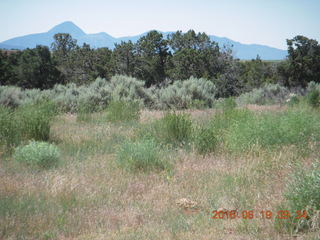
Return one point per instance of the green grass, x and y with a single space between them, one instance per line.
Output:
118 111
143 155
205 140
242 130
30 122
173 129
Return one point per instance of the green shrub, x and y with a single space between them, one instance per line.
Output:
143 155
205 140
39 154
313 98
303 193
123 111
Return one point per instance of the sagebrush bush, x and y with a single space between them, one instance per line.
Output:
123 111
182 94
41 154
303 193
269 94
129 89
205 140
143 155
11 96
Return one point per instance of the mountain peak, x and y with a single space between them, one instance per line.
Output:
67 27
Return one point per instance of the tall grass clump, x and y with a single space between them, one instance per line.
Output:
176 128
29 122
118 111
143 155
35 120
303 194
205 140
41 154
8 127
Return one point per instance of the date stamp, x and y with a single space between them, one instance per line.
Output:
264 214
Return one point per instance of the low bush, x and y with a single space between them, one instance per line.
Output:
143 155
269 94
182 94
11 96
313 98
41 154
123 111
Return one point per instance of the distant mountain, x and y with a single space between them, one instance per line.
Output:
97 40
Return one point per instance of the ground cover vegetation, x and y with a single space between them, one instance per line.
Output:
153 137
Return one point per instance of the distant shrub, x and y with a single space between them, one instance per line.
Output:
123 111
11 96
293 99
313 86
303 193
229 103
205 140
269 94
182 94
129 89
313 98
39 154
143 155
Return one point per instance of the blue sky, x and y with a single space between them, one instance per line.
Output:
268 22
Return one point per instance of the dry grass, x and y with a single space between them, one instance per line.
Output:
90 197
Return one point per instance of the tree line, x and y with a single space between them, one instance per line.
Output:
158 60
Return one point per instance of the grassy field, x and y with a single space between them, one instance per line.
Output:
99 191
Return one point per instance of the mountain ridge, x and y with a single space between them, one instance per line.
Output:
103 39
